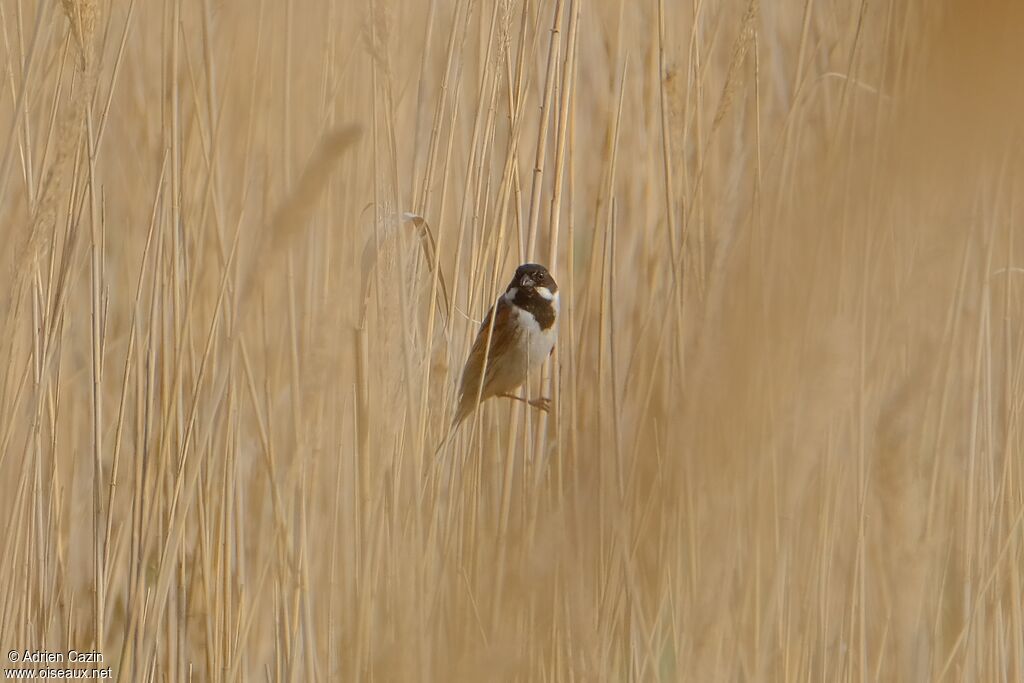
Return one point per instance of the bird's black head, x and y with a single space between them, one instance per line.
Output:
534 279
534 290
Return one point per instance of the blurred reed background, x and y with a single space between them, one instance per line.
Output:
786 435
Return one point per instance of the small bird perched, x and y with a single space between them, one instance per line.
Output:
525 325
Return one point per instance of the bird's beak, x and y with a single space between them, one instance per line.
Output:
527 281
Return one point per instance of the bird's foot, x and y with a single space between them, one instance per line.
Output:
541 403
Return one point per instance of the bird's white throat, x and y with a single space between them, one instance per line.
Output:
546 293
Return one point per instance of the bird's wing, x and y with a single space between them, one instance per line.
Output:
502 339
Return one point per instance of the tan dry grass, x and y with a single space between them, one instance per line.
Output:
786 436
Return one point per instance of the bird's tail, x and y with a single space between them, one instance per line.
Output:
460 414
444 441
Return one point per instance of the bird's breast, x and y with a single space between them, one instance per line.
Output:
534 342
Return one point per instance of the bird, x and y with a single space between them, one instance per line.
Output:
515 338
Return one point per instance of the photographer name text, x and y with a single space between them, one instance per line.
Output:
50 656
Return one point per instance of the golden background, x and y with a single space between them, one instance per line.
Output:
785 442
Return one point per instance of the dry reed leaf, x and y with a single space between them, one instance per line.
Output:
430 254
83 16
71 125
294 212
739 53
